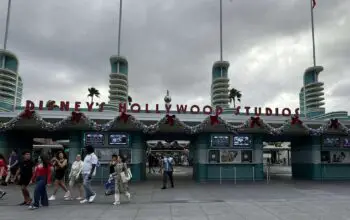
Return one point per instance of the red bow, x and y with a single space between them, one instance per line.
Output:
28 114
123 117
214 120
334 123
76 117
170 120
254 121
296 120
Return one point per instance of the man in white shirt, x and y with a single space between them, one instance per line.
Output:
89 170
167 164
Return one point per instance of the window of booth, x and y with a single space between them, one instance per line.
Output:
228 149
335 150
107 144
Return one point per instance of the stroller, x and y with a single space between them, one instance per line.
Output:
110 186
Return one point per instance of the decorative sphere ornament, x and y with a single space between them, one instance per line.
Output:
167 98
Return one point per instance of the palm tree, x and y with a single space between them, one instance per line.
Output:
129 100
233 95
93 93
51 104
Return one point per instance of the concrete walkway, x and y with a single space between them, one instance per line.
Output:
287 200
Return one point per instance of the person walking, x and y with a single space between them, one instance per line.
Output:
42 177
75 178
12 167
151 163
3 174
89 170
167 168
25 173
60 164
121 175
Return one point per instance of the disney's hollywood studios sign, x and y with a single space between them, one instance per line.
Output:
146 108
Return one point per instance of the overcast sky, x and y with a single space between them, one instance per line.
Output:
64 48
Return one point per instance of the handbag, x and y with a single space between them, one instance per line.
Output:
109 187
126 177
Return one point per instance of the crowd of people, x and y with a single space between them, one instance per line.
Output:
39 172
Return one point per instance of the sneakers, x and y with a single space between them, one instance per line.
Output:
67 195
116 203
32 207
68 198
84 201
128 196
79 198
52 198
2 194
92 198
22 203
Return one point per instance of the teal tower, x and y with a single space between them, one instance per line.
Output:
118 82
11 85
220 84
311 96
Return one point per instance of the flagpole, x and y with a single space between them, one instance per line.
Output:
7 24
5 47
313 31
221 30
120 25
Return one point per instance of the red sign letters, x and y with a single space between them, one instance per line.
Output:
179 109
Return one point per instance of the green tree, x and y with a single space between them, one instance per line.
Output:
129 100
234 95
93 93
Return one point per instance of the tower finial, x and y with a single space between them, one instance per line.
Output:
167 98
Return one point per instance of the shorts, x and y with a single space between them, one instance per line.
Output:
73 180
13 170
59 175
24 181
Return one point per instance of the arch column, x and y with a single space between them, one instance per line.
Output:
138 156
306 158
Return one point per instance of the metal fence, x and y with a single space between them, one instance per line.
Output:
234 169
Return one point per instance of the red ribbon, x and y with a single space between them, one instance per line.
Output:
214 120
28 114
123 117
254 121
334 123
76 117
296 120
170 120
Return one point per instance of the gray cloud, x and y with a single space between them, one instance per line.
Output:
64 47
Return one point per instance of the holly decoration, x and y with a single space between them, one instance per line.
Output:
214 120
170 120
136 124
123 117
76 117
27 114
334 124
254 121
296 120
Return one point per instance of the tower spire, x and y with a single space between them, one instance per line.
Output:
118 79
219 85
221 50
7 23
120 24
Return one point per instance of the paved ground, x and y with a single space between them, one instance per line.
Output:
280 199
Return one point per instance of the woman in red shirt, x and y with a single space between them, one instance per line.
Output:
3 173
42 177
